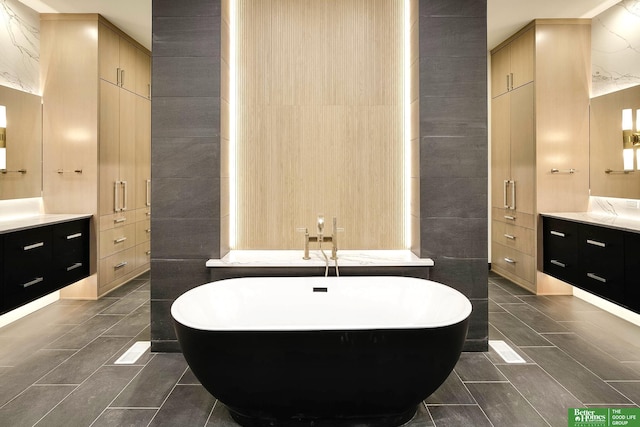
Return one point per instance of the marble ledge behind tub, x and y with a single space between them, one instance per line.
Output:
346 258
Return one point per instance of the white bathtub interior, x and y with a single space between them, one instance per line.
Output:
349 303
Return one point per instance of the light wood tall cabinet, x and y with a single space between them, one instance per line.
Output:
97 142
539 142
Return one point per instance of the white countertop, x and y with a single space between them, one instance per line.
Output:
601 219
293 258
10 224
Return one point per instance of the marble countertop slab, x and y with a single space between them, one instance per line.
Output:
600 219
11 224
293 258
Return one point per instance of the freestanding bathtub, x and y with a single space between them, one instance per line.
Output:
321 351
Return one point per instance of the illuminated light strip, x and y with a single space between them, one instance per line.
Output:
233 110
407 122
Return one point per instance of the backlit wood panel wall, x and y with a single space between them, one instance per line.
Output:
320 116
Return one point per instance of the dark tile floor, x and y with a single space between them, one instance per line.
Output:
57 367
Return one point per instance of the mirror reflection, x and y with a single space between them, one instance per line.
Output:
20 144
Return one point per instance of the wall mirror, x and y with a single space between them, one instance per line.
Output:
21 176
615 86
609 177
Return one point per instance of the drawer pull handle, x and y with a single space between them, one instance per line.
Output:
33 282
118 266
510 218
596 277
148 230
74 266
510 261
34 246
509 236
148 213
74 236
120 240
148 252
557 233
558 263
596 243
119 220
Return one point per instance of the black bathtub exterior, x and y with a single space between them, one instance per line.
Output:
322 377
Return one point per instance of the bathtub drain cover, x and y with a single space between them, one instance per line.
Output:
508 354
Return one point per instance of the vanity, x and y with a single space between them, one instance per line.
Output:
594 252
40 254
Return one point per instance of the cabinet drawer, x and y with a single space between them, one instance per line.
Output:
70 252
513 217
27 259
513 262
143 231
143 214
116 266
116 220
117 239
560 243
632 272
143 254
512 236
601 254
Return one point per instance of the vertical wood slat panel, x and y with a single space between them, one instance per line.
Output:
320 121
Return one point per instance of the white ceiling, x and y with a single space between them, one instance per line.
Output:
504 17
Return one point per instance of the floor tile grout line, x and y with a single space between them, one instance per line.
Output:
424 404
476 400
533 330
538 311
213 408
167 396
55 406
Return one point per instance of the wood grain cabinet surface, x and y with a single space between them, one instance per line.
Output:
539 123
97 119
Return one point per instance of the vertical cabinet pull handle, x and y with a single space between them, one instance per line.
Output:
511 75
118 76
149 89
148 200
122 77
508 83
116 196
506 184
513 195
124 195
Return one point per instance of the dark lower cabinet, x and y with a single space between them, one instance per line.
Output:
40 260
595 258
632 271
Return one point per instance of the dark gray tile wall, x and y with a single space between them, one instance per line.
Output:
453 151
186 152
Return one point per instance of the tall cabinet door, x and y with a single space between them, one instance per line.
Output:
128 61
523 148
127 170
109 51
522 54
500 69
500 148
109 142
